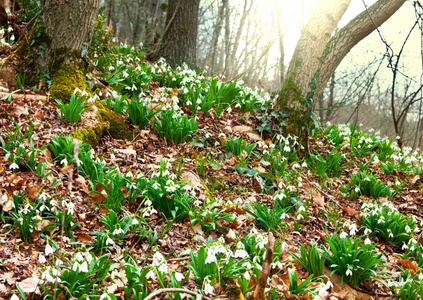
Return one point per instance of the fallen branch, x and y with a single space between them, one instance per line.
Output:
266 268
175 290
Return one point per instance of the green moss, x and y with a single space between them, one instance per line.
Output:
66 80
119 129
91 135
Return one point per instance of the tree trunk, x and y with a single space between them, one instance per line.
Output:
215 39
69 26
180 38
316 49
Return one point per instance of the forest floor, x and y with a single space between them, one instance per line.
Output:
236 202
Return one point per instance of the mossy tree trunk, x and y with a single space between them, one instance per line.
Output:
69 27
179 42
320 49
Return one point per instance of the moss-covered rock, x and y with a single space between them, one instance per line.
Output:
65 81
118 128
91 135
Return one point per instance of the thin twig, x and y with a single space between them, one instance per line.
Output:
175 290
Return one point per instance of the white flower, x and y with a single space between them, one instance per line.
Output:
14 166
41 259
105 296
343 235
14 297
348 272
134 222
75 266
150 274
48 250
238 200
208 289
367 231
407 229
404 247
64 161
300 217
109 241
367 241
302 208
241 253
163 268
211 258
118 231
12 38
179 276
156 185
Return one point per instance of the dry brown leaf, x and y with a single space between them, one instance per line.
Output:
29 285
32 191
83 183
42 224
350 211
411 265
197 228
66 169
319 200
83 237
8 277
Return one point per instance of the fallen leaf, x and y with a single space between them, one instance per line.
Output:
350 211
411 265
83 237
319 200
197 228
29 285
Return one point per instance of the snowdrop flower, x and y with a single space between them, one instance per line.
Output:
302 208
253 231
109 241
150 274
404 247
238 200
134 222
41 259
286 148
343 235
64 161
208 289
367 231
156 185
283 216
179 276
14 166
14 297
367 241
210 258
407 229
348 272
300 217
105 296
189 103
118 231
163 268
48 250
12 38
304 165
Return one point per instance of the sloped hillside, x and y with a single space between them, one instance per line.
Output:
205 194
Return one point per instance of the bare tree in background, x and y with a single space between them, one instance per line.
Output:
179 41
